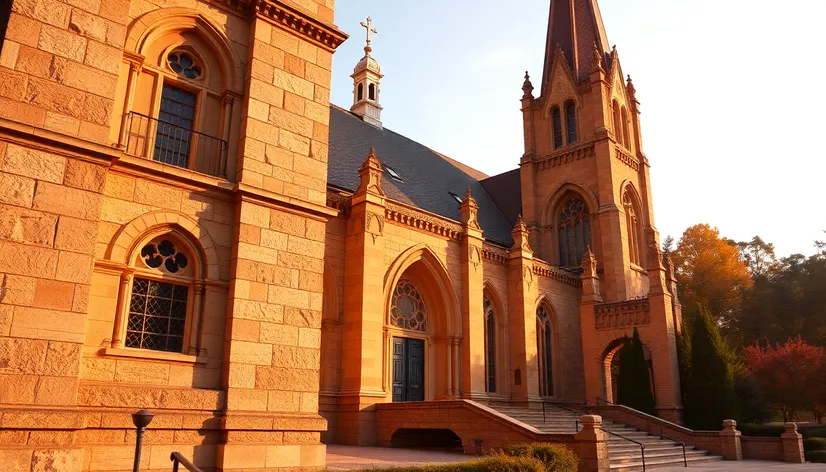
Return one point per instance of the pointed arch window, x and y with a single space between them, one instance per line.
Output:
626 137
632 225
570 121
574 231
618 134
556 123
544 347
490 346
408 309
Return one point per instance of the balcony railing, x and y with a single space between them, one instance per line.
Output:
150 138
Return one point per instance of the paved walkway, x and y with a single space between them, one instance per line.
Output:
348 457
745 466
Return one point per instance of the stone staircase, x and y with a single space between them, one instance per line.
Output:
625 455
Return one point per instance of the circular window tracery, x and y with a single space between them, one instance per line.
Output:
408 310
185 65
164 255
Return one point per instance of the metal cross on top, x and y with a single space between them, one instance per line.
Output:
369 27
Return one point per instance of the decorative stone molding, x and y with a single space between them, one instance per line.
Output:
622 314
566 156
326 36
495 254
627 159
543 269
339 201
420 220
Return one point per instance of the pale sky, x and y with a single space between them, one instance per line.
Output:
731 97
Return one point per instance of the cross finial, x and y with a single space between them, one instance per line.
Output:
370 29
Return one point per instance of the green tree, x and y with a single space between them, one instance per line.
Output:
711 396
634 384
684 362
758 256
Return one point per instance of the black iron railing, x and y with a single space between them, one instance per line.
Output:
563 407
178 459
641 445
151 138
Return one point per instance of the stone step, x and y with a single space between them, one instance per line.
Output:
635 456
637 466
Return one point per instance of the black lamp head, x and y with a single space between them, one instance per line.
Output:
142 418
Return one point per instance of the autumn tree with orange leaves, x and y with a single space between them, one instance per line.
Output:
710 272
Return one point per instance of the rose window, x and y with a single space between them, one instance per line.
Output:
165 256
408 311
184 65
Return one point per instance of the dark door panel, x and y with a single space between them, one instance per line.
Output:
408 370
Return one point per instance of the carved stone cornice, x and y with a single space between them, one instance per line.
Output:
495 254
339 201
624 314
566 156
321 34
543 269
423 221
626 158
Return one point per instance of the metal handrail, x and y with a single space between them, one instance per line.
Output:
641 445
557 405
178 458
648 430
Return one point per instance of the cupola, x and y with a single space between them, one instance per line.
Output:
366 80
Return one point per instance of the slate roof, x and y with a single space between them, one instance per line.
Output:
428 176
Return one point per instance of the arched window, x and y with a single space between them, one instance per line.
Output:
574 231
408 309
161 294
544 348
626 138
570 121
556 121
490 347
632 224
618 135
372 91
360 92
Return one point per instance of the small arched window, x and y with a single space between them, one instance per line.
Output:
408 309
372 91
490 346
556 124
626 138
570 121
360 92
159 302
617 126
633 225
544 349
574 231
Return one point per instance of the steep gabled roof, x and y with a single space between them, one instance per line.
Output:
428 177
576 26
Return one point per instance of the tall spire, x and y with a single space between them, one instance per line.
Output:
576 26
366 79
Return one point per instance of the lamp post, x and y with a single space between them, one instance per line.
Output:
141 420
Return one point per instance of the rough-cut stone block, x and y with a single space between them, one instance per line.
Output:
76 235
283 456
250 353
56 391
142 372
16 460
62 359
249 310
279 334
53 294
73 267
27 260
279 378
34 164
27 226
18 389
50 325
62 43
84 175
295 357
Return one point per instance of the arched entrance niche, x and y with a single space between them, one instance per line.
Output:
547 342
422 329
496 343
611 373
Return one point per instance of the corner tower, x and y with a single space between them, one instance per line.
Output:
585 184
366 80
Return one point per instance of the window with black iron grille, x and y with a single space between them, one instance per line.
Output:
157 315
557 125
570 121
176 119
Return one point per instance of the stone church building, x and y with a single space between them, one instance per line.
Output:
188 225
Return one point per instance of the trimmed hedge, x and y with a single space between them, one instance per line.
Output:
814 444
813 431
554 458
761 430
816 456
500 463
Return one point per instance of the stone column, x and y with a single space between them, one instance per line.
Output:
590 350
364 310
730 441
792 445
592 445
473 317
522 295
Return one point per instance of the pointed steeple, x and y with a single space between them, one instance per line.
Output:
575 26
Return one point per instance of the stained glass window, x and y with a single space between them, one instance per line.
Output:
574 232
157 315
408 310
490 346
